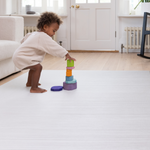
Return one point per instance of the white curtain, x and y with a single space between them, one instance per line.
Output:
63 10
57 6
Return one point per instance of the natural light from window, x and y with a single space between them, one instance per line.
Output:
80 1
105 1
93 1
49 3
38 3
133 3
33 3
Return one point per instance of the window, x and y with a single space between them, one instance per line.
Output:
38 3
57 6
33 3
80 1
133 3
93 1
105 1
50 3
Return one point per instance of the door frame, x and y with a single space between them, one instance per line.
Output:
69 25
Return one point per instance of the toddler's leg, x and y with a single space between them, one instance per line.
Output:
29 81
36 72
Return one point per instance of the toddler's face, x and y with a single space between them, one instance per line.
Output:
50 30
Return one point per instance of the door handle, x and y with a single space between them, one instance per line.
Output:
72 6
77 6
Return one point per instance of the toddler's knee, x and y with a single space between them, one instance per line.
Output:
39 67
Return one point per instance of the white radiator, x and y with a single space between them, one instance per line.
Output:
134 37
29 29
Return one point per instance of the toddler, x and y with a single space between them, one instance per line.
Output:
35 45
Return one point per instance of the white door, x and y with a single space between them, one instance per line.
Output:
93 25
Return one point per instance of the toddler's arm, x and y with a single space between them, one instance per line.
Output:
47 44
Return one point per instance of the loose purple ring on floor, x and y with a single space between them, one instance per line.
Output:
56 88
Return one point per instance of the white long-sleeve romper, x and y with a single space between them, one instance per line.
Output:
33 49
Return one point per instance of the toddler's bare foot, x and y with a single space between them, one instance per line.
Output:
37 90
29 85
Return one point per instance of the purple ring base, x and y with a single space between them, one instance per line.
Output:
69 87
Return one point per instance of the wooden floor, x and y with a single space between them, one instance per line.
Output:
94 61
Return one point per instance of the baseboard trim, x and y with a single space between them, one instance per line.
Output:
86 51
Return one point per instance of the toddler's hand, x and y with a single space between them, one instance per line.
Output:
68 57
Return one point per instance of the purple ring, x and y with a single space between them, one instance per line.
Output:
69 87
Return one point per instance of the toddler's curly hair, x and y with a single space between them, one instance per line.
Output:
47 18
